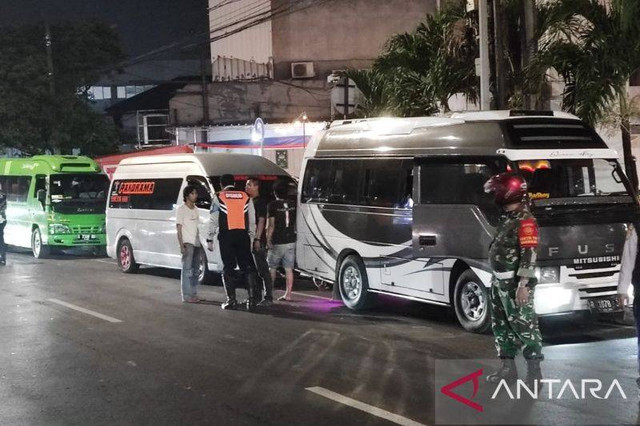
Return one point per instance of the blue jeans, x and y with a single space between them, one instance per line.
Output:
189 275
636 315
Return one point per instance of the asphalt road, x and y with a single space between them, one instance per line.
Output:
83 343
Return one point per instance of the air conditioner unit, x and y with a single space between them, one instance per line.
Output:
302 70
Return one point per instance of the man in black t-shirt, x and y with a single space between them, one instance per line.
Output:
281 236
259 245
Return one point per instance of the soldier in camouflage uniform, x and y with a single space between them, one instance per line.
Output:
512 256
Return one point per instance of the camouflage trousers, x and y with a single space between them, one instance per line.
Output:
514 327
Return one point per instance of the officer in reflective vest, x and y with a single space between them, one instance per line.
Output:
233 220
512 256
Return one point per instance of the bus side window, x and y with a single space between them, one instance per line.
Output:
22 188
345 181
317 181
204 194
382 182
41 183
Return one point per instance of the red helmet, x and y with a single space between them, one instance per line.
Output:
507 188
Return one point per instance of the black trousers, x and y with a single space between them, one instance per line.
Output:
235 250
3 246
260 257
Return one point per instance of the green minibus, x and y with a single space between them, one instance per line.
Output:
54 201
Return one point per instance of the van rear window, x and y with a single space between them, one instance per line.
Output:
145 194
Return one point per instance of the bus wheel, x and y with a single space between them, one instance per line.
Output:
353 283
204 275
126 261
472 304
40 250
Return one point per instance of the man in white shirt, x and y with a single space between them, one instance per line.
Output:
630 275
187 220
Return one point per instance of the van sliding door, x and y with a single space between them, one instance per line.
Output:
453 217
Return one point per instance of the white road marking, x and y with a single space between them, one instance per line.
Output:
83 310
379 412
110 262
312 295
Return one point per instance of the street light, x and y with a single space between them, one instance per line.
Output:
302 118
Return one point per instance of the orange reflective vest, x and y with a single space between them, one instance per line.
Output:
234 208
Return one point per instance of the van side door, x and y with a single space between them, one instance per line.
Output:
453 218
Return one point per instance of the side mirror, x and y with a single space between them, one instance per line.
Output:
41 195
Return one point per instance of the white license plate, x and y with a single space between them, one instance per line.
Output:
604 305
86 237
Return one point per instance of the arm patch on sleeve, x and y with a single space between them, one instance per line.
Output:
528 233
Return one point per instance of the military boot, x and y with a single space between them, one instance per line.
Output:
229 288
508 372
253 289
534 375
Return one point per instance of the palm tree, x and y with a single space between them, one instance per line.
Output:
419 71
594 47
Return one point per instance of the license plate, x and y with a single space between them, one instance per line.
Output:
604 305
86 237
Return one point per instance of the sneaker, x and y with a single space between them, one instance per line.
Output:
265 302
229 305
191 300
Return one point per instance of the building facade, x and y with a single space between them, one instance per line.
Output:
273 59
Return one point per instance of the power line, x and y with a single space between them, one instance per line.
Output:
275 13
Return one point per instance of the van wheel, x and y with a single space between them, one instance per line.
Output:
126 261
353 283
472 304
204 275
40 250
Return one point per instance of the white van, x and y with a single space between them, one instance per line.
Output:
146 191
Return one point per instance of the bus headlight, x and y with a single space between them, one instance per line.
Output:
59 228
548 275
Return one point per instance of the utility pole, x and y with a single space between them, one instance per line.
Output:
47 44
205 96
485 73
204 59
52 87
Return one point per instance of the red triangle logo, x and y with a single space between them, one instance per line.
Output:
447 390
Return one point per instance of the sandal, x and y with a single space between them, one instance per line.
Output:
284 299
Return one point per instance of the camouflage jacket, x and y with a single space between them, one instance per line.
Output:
512 253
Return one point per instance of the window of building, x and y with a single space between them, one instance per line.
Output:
120 92
99 93
635 78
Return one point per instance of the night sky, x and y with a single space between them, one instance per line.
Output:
143 25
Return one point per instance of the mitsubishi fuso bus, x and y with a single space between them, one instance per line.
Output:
54 201
146 191
396 207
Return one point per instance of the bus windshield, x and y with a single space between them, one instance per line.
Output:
588 181
77 194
